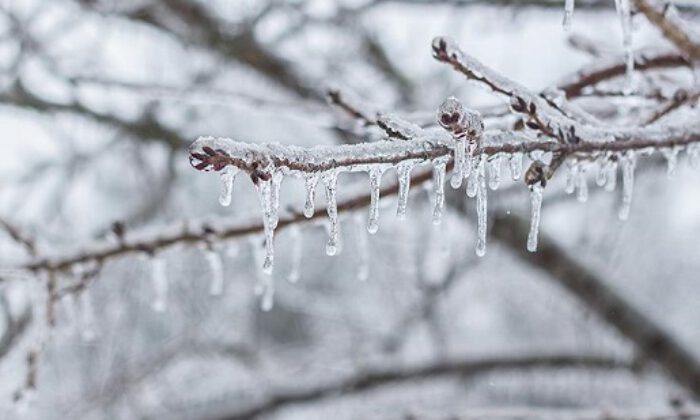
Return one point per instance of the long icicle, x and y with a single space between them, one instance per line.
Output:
330 180
438 190
481 207
404 174
628 162
536 191
375 181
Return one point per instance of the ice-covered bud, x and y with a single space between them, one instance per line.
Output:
538 173
444 49
458 120
209 159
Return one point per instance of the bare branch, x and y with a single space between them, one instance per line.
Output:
670 26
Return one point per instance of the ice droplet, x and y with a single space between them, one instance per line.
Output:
481 208
310 183
330 180
297 240
536 193
628 161
159 277
216 268
404 174
568 14
516 165
438 190
375 181
228 175
494 165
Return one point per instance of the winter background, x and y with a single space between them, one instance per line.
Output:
100 101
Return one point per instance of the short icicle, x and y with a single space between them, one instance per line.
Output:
494 166
228 175
611 175
581 185
628 162
375 181
671 155
516 165
404 174
438 190
481 207
216 268
536 193
88 330
330 181
159 277
310 183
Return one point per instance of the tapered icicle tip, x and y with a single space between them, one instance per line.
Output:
228 175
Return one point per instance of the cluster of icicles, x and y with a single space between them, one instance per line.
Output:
481 172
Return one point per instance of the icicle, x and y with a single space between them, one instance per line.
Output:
568 15
297 247
267 203
628 162
671 155
228 175
362 251
601 175
404 174
582 185
265 287
536 191
87 317
625 15
610 175
438 190
330 180
473 181
216 268
571 176
516 165
494 172
694 155
375 181
275 184
310 182
160 283
459 165
481 208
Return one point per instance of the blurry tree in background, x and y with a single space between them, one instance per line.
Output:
126 291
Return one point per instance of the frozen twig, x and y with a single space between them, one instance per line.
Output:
672 28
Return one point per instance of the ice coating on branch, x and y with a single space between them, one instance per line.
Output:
404 175
536 192
438 190
628 161
297 240
159 277
228 175
494 165
568 14
216 268
516 165
330 181
375 181
310 182
481 207
624 12
466 127
398 128
671 155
